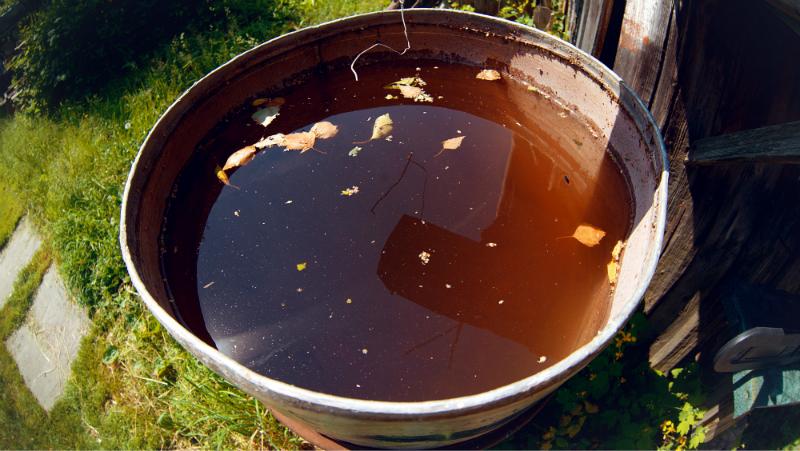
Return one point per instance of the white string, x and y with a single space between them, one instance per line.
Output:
378 44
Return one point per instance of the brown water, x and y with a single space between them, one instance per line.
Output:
442 276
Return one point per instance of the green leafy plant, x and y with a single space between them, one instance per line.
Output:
619 402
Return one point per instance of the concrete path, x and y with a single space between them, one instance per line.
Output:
16 255
47 343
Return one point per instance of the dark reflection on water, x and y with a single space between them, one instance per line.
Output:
443 276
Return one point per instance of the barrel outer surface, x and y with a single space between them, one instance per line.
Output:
594 96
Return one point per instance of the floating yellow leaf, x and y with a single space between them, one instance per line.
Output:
221 175
381 129
265 116
588 235
240 158
301 266
613 266
613 272
451 144
302 141
324 130
270 141
350 191
615 253
488 74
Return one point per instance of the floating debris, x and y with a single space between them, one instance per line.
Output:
488 75
425 257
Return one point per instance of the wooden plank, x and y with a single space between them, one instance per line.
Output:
678 341
725 220
591 23
774 144
639 59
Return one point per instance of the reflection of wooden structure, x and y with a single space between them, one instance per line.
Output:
722 79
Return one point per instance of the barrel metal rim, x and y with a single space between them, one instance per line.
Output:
291 395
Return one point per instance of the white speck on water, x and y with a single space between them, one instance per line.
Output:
501 301
364 351
358 385
236 213
491 244
446 168
458 131
542 359
349 301
288 202
447 285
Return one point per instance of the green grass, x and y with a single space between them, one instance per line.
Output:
10 212
133 386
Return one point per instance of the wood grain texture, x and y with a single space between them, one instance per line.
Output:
591 23
645 27
775 144
719 74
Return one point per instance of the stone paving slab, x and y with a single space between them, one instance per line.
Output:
16 255
45 346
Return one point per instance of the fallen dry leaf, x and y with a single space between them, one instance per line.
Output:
273 140
265 116
222 176
588 235
381 129
409 92
266 101
302 141
613 272
488 74
240 158
410 88
613 266
301 266
324 130
451 144
350 191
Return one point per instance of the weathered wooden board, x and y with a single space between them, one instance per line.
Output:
641 50
775 144
714 71
589 19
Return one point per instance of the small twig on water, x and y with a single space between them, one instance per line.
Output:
409 161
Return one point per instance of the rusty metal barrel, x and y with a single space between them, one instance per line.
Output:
594 95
